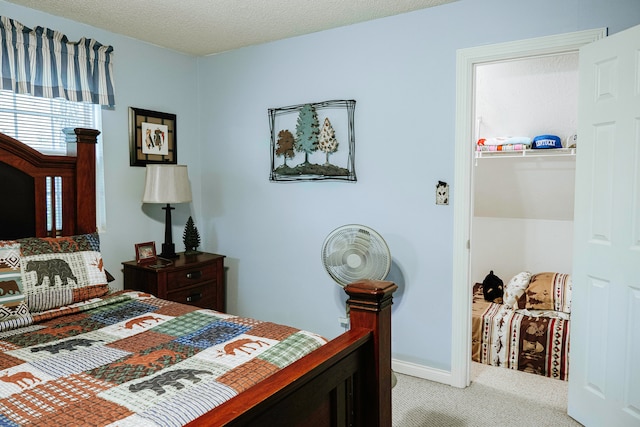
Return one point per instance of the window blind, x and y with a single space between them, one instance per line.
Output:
38 123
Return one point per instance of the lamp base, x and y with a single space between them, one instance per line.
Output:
168 248
168 251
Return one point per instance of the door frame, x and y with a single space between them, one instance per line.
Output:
466 61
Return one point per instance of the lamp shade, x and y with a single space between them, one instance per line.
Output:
167 184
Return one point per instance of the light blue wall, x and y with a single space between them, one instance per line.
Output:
401 72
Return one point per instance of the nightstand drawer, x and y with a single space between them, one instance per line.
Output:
191 276
202 295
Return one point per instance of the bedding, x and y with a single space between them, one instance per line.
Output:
135 360
504 140
38 274
548 291
509 143
503 147
62 270
525 340
514 290
14 311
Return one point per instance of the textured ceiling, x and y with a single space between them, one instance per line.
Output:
203 27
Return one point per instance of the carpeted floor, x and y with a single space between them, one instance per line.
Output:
497 397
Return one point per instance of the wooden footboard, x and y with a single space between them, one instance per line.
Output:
346 382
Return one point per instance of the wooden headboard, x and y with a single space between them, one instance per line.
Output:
30 180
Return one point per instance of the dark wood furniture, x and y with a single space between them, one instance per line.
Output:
346 382
195 279
21 163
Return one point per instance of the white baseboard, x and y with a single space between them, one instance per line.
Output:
421 371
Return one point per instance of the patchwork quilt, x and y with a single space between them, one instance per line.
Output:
130 359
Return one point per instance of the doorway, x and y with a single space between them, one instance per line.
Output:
467 61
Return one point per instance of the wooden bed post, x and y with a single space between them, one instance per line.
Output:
84 151
370 308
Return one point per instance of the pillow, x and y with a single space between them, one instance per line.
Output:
61 271
13 309
548 291
515 289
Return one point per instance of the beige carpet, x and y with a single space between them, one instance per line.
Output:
496 397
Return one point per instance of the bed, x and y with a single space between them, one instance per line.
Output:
74 352
528 330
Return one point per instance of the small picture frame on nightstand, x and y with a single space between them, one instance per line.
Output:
146 253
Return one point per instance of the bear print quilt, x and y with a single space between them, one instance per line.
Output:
130 359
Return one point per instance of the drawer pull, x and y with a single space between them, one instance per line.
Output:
194 275
194 297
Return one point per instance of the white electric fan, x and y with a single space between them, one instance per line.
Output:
355 252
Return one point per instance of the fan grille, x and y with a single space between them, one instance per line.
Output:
355 252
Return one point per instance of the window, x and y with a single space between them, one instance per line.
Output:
38 122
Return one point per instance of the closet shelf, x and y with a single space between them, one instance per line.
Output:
526 153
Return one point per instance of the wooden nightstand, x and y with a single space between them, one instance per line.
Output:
195 279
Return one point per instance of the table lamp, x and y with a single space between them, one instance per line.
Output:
167 184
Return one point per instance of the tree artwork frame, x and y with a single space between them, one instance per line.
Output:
313 141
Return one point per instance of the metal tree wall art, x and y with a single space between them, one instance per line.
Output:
307 131
314 153
285 145
327 142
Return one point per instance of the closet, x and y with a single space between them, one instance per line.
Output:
523 201
523 206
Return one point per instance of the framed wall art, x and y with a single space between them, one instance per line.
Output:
313 141
152 137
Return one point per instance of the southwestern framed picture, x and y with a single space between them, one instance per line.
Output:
152 137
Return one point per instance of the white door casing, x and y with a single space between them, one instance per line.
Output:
604 380
466 61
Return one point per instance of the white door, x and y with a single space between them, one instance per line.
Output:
604 380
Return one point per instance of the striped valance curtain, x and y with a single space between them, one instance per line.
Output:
42 62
